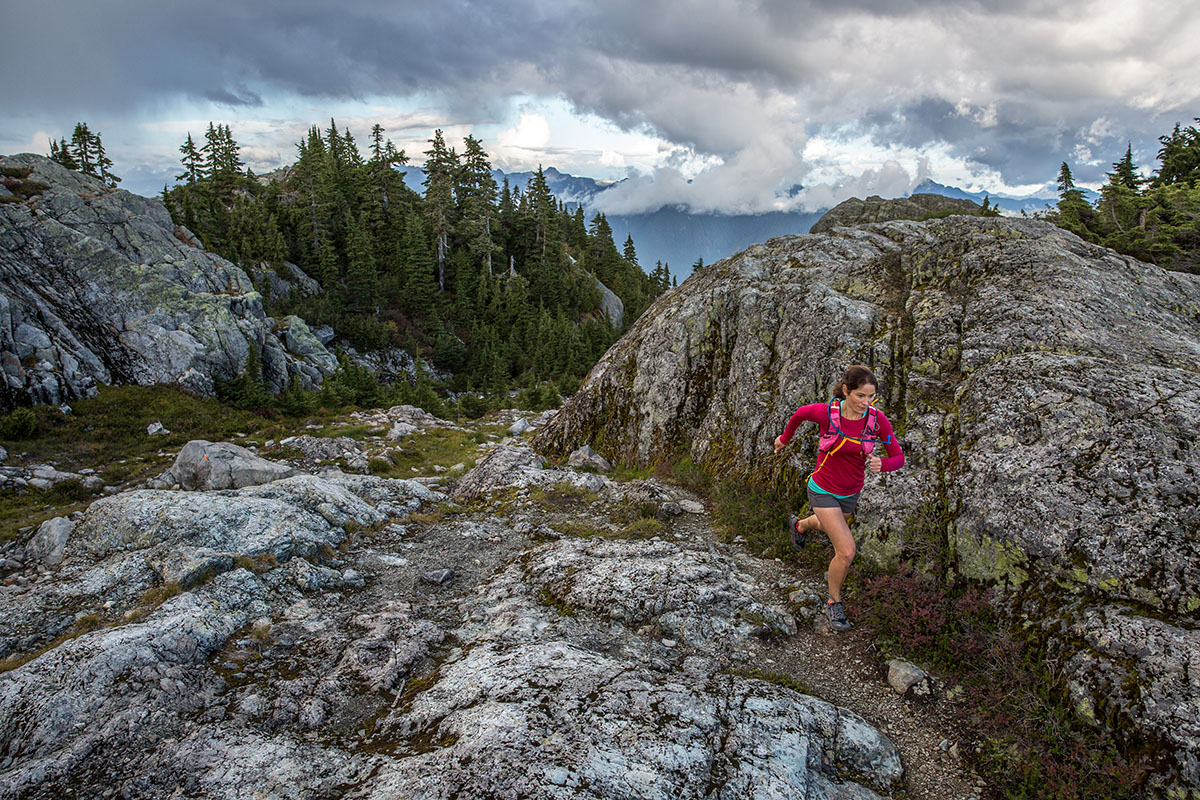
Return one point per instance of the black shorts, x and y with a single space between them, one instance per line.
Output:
822 500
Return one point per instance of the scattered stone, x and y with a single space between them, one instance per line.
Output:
156 429
440 576
692 506
903 676
520 426
668 510
587 457
48 543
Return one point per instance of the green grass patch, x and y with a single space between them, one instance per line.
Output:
562 496
756 514
443 447
108 433
435 515
645 528
777 678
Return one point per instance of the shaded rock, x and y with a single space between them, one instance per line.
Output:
611 305
876 209
204 466
48 543
440 576
587 457
100 287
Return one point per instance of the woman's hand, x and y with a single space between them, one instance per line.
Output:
779 445
876 464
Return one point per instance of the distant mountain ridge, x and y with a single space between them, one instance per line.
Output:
1026 203
679 238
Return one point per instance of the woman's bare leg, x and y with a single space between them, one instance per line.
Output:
810 524
833 522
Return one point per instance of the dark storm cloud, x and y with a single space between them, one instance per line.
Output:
1013 87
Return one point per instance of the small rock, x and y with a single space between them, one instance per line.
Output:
439 576
903 676
156 429
520 426
587 457
64 408
691 506
669 509
48 543
668 642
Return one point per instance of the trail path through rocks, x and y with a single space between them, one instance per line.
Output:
846 670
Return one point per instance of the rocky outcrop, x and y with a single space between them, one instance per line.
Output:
876 209
611 305
1045 390
205 466
278 641
97 286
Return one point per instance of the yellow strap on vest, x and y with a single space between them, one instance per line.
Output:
821 463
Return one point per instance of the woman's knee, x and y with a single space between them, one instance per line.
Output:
846 552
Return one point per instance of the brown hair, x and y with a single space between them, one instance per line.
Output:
856 376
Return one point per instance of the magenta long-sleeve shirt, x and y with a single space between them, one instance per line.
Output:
842 471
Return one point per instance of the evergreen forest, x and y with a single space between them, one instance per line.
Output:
1155 219
495 285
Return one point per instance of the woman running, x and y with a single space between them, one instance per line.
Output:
850 429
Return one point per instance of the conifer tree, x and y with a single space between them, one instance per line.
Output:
1124 173
476 194
362 282
629 251
1179 157
60 151
193 162
83 150
440 169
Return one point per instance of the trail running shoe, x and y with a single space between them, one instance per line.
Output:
837 616
799 538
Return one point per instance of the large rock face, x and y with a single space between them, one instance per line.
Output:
98 286
1047 394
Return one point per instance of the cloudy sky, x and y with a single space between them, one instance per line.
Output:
717 105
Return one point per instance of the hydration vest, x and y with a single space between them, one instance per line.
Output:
833 438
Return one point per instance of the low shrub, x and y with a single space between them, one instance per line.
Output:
20 423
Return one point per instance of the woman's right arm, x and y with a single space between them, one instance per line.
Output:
814 412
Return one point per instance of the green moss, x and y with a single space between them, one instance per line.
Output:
987 559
